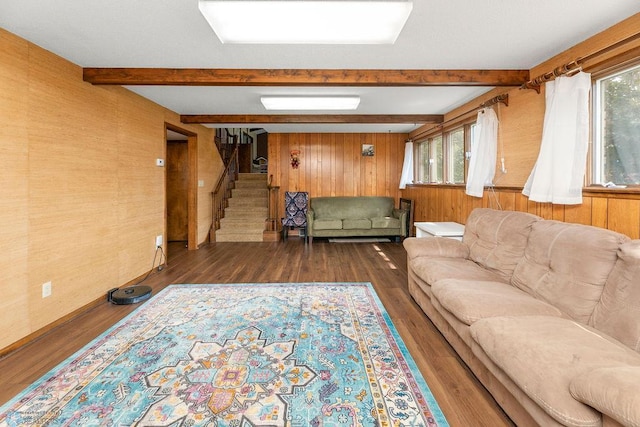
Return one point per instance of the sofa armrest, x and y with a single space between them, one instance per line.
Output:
403 216
435 247
310 218
612 391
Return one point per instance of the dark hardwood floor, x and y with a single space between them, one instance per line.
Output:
461 397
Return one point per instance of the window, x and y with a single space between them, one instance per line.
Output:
616 148
442 158
455 158
430 160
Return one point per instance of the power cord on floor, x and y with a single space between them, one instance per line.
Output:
153 264
160 265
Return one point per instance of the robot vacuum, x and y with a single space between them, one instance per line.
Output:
130 295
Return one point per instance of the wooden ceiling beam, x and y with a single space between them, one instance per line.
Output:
313 118
301 77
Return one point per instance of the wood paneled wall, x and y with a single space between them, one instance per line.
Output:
617 211
520 130
15 321
332 164
519 136
81 199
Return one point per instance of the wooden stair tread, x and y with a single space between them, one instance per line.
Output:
244 218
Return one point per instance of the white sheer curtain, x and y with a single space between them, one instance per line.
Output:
484 150
407 166
558 174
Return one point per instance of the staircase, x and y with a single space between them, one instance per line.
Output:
245 217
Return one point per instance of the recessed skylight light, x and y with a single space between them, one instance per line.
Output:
309 21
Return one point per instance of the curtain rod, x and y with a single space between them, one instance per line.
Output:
503 98
575 65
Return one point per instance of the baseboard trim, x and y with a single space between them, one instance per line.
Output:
270 236
64 319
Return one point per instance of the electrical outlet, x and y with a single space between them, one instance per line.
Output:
159 241
46 289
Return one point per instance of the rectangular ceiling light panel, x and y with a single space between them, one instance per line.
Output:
309 21
319 103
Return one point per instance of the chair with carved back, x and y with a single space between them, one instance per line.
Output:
295 211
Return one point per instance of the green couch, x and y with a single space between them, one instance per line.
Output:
355 216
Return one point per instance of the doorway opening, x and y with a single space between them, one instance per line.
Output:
181 187
253 152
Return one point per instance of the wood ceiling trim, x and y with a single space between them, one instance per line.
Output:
313 118
301 77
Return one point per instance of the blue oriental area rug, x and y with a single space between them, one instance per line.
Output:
315 354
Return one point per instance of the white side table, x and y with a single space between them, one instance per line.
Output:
452 230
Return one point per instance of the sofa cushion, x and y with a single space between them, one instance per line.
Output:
497 239
543 354
351 207
356 224
567 265
471 300
327 224
385 222
435 247
612 391
433 269
618 311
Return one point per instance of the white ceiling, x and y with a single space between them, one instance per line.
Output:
440 34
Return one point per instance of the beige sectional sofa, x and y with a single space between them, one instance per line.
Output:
545 313
355 216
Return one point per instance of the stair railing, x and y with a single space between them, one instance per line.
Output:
222 193
274 191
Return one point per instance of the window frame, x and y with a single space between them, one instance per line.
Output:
595 164
449 155
429 142
447 152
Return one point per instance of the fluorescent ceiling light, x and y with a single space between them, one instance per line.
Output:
307 21
310 102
